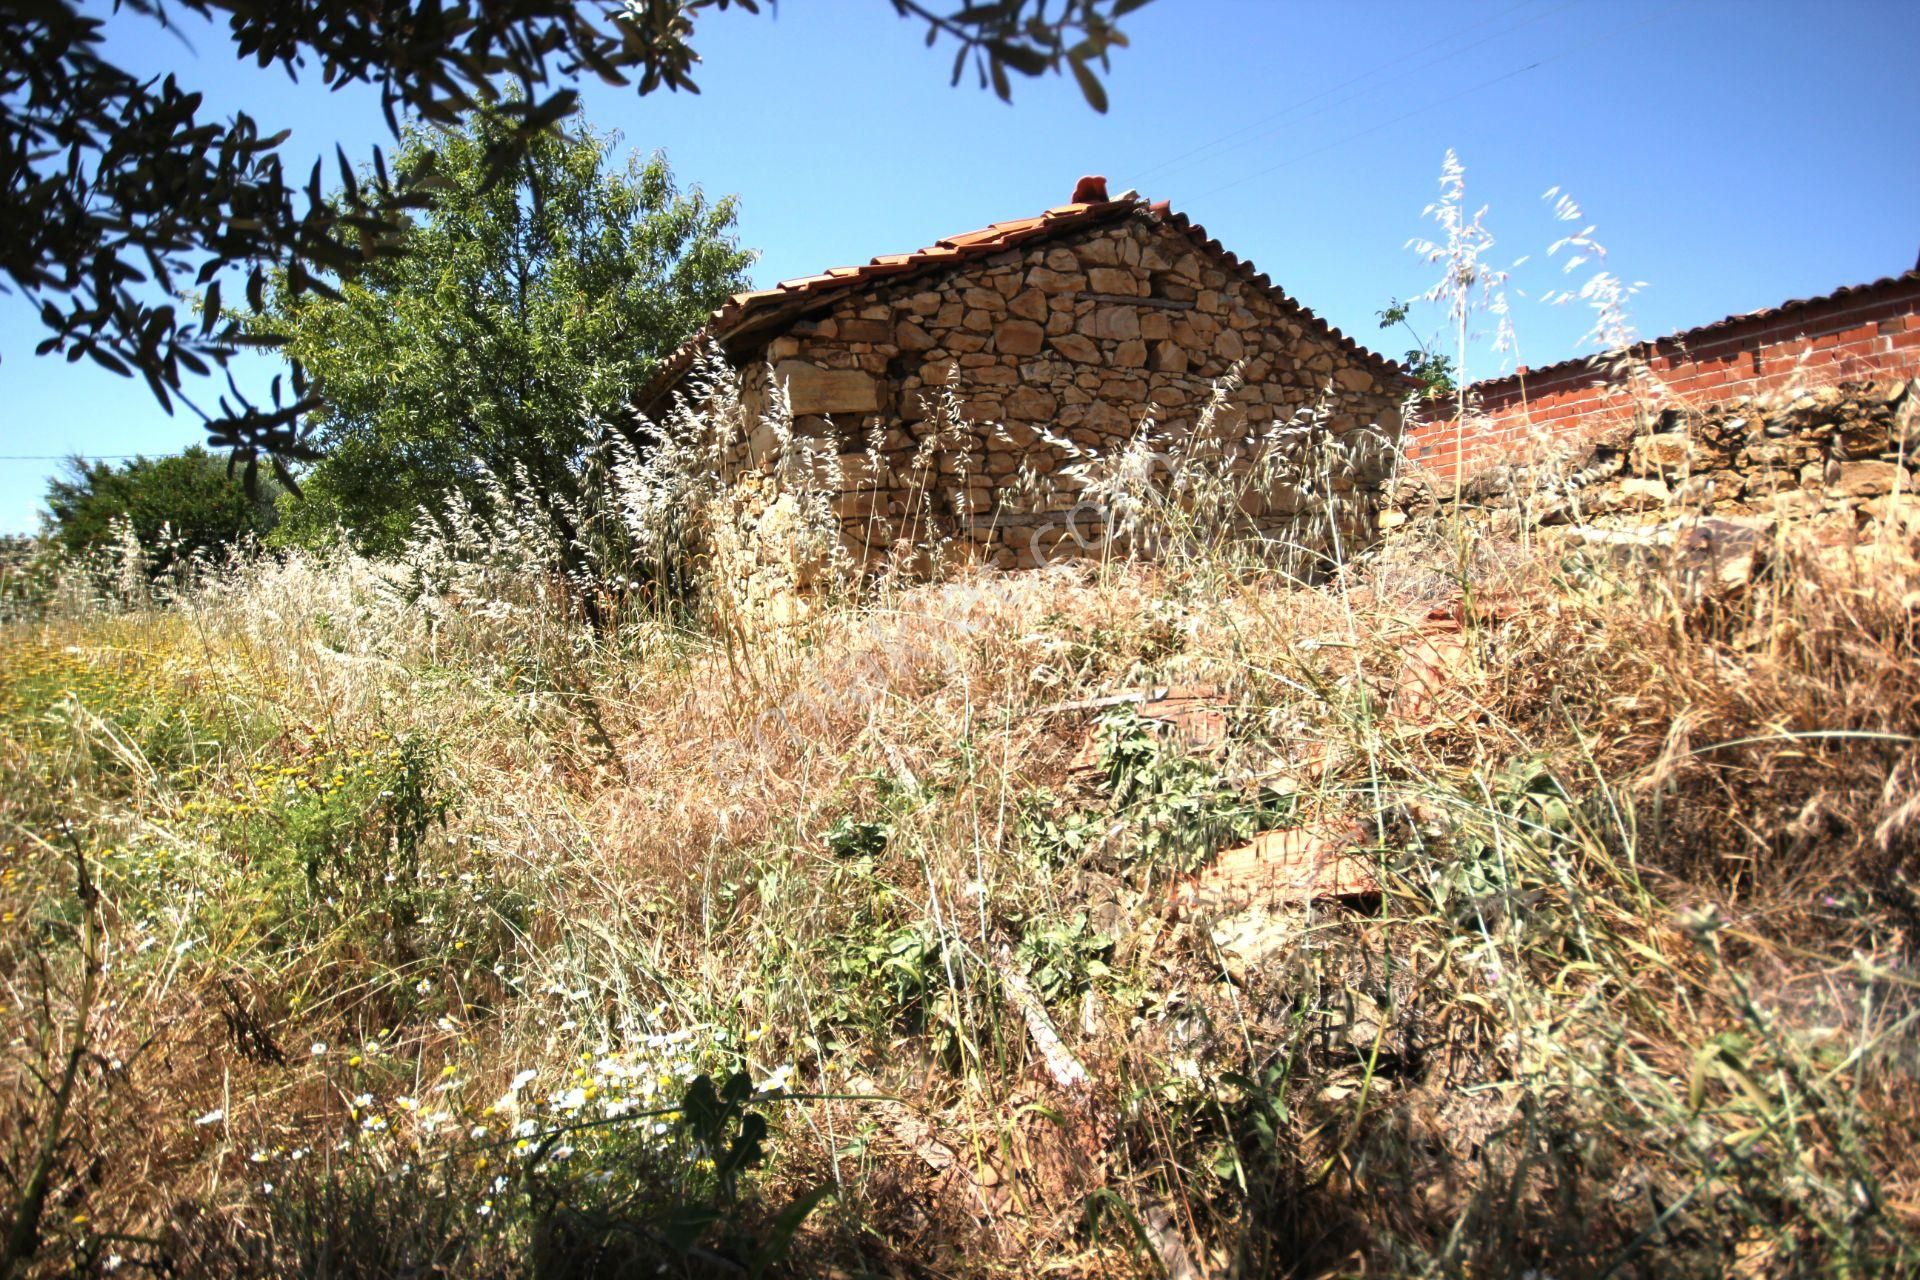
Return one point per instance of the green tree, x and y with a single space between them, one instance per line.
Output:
179 504
118 192
523 315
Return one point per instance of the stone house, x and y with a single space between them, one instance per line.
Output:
1065 329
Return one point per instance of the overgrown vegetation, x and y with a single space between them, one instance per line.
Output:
383 917
418 915
505 343
181 505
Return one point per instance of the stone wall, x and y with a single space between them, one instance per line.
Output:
1077 337
1846 449
1861 333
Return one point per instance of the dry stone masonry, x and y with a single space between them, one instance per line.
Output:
957 382
1843 450
1861 333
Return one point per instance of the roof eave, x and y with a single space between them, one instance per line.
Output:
816 292
746 315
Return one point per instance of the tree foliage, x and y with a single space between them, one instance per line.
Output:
120 193
523 316
1432 369
179 504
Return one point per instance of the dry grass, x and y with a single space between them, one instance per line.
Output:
1637 996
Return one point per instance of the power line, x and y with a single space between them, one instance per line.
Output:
1440 102
1259 126
89 457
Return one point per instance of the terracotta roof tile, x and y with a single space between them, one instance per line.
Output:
997 231
1852 293
743 311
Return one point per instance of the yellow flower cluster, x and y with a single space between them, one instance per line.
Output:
38 671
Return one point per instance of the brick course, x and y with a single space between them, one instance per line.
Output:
1864 333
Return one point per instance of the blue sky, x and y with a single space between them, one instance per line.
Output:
1733 153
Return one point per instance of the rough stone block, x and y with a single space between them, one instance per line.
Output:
1906 420
1900 511
1636 494
1047 280
1029 305
909 336
1076 347
1117 324
1665 454
1112 280
1868 479
1351 378
1019 337
1098 252
1030 404
865 331
816 390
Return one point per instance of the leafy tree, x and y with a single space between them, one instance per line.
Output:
119 193
524 315
184 503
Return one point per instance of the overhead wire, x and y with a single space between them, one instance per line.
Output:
1258 127
1440 102
85 457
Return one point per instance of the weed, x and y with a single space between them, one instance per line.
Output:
443 928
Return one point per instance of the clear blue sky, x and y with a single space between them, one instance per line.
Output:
1733 153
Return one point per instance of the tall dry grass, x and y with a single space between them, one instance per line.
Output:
383 919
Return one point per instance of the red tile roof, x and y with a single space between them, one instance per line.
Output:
1847 294
764 309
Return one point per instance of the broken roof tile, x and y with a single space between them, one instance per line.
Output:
1293 867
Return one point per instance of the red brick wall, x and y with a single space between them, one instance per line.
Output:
1872 331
